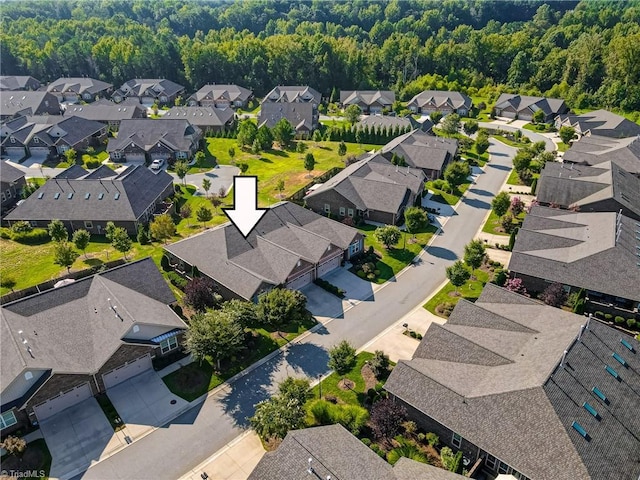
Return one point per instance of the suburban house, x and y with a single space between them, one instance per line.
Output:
107 112
594 150
421 150
76 89
599 122
89 200
24 102
369 101
332 452
146 140
12 181
149 91
597 252
603 188
299 105
293 94
50 136
391 123
372 189
64 345
290 246
522 107
445 102
207 119
530 390
220 96
16 82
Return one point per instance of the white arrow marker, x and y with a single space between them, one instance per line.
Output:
245 213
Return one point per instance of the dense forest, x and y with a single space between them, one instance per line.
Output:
586 52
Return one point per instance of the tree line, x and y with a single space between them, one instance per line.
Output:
587 52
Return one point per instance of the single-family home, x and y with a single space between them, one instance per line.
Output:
421 150
149 91
50 136
19 82
594 251
445 102
107 112
369 101
76 89
146 140
530 390
595 149
332 452
90 200
392 123
290 246
372 189
220 96
64 345
12 181
24 102
603 188
207 119
599 122
523 107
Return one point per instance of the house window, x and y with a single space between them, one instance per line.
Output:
491 461
169 344
354 248
3 197
13 140
327 208
350 212
456 440
117 155
503 467
181 154
36 140
7 419
8 193
342 211
88 224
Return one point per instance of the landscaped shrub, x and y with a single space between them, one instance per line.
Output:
352 417
164 263
176 280
499 277
406 449
21 227
578 307
608 317
361 274
632 324
34 237
619 320
366 441
432 439
92 163
329 287
5 233
378 450
379 364
599 314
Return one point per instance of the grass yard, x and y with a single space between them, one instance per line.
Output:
100 155
330 384
539 127
563 147
275 165
511 143
469 291
483 115
198 378
446 197
36 458
514 179
395 259
494 227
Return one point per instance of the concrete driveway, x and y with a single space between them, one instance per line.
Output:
35 160
324 304
144 402
77 437
221 177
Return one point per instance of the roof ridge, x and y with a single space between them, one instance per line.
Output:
479 305
508 360
263 238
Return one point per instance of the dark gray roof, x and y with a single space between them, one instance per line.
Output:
441 99
368 97
78 85
17 82
106 111
53 130
594 149
422 150
288 94
299 115
73 329
25 102
520 102
373 183
201 116
511 408
145 133
9 173
137 188
582 185
232 93
140 87
601 122
579 249
286 235
407 469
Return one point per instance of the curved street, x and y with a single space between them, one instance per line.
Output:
192 437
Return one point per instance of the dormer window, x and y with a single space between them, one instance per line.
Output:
36 140
28 375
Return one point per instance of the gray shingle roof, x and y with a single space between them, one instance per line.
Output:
232 93
25 102
368 97
286 234
373 183
520 102
594 149
513 410
73 329
137 188
407 469
17 82
78 85
145 133
201 116
601 122
288 94
441 99
9 173
579 249
106 112
422 150
140 87
299 115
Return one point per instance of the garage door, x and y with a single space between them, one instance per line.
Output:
125 372
64 400
15 151
300 282
135 157
326 267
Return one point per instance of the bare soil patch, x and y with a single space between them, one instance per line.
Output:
346 384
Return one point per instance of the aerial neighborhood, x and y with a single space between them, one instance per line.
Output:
387 240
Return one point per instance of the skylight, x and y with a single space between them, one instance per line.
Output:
70 196
86 196
619 359
117 196
599 394
627 345
613 373
578 428
40 195
56 195
590 409
100 196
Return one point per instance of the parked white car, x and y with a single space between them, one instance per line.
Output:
157 164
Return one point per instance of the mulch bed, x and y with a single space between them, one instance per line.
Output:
369 378
346 384
279 335
32 459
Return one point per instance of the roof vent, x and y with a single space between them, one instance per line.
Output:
116 196
86 196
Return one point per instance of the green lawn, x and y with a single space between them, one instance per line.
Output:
275 165
446 197
562 147
494 227
469 291
483 115
395 259
330 384
514 179
36 458
511 143
100 155
539 127
197 378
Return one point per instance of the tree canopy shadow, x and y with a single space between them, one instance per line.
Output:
308 359
443 253
482 193
472 202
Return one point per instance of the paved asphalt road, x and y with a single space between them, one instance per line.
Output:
187 441
533 136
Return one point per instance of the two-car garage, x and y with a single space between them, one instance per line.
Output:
308 277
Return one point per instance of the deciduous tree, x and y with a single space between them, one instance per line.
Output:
352 114
435 117
388 235
185 212
554 295
470 127
283 133
458 274
451 123
342 357
181 168
14 445
200 294
501 203
214 334
474 254
81 240
121 241
281 306
162 228
206 185
457 173
57 231
203 214
415 218
64 254
566 134
387 418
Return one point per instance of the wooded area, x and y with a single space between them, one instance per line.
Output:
586 52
